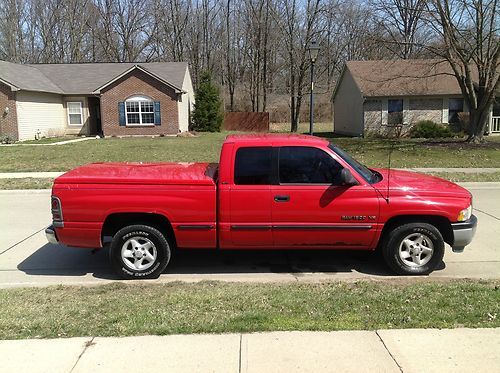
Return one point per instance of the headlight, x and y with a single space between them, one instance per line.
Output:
465 214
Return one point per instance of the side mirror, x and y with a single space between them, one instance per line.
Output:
346 178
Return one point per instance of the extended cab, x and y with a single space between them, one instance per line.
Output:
267 192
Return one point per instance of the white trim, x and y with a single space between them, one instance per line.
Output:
12 87
139 99
406 110
385 110
81 113
445 112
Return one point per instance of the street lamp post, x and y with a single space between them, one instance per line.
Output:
313 55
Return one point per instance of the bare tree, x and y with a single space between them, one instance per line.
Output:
256 49
470 42
402 23
298 27
12 13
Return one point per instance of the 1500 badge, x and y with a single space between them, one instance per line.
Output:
358 217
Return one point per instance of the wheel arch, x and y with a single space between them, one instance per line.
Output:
116 221
440 222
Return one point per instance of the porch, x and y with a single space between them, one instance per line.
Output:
494 125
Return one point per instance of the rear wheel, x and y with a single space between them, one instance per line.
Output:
414 249
139 251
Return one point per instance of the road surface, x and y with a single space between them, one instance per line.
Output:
26 259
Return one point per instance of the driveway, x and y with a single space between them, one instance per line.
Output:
26 259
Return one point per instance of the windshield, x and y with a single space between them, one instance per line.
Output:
364 171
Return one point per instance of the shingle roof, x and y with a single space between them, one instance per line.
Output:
403 77
83 78
26 77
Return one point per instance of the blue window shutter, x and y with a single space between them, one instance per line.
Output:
121 113
157 113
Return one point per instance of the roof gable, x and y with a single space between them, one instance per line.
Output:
385 78
177 89
85 78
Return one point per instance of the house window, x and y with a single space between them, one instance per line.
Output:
394 111
75 114
139 111
455 106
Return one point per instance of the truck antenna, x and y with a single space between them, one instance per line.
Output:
396 131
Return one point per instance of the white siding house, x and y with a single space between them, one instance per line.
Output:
40 114
186 103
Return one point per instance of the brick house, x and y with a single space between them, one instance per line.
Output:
370 96
110 99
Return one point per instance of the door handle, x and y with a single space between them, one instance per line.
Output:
282 198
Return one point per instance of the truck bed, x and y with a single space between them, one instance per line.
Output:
142 173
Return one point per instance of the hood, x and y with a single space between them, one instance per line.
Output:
407 182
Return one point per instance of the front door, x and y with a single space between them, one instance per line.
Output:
310 208
250 198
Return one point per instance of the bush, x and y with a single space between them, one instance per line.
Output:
6 139
428 129
207 113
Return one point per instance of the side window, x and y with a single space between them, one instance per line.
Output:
395 112
253 166
301 164
456 106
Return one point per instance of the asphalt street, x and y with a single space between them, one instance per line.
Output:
26 259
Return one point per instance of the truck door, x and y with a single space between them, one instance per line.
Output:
311 209
249 197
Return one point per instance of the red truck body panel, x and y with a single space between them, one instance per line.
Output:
207 209
141 173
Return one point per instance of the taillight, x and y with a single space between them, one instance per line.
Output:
56 208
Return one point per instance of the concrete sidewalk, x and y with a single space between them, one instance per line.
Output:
410 350
63 142
19 175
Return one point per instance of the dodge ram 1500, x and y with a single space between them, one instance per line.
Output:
267 192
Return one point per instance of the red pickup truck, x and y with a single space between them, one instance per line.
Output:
267 192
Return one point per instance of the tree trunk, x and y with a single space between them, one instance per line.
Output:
477 126
293 117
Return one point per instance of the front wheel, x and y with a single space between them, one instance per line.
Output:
414 249
139 251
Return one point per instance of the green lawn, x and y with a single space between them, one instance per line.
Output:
206 147
211 307
26 183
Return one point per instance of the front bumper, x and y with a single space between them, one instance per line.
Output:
51 235
463 232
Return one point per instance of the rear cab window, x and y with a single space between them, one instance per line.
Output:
253 166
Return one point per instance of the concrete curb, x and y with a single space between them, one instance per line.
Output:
22 175
24 191
480 185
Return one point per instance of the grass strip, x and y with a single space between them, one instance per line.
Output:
407 153
46 183
26 183
211 307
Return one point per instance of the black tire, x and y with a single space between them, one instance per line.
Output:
153 245
394 240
